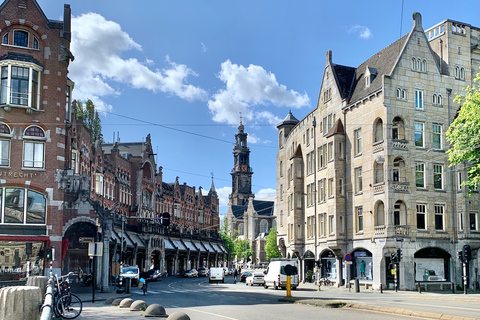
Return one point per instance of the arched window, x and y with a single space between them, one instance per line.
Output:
399 170
439 100
5 136
414 63
399 93
380 214
241 230
378 130
379 176
404 94
5 38
462 73
263 226
280 139
34 147
398 129
424 65
417 64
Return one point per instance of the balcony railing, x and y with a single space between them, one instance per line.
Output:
399 144
380 231
402 231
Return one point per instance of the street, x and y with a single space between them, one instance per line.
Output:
202 300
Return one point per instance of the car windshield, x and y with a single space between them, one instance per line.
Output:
130 270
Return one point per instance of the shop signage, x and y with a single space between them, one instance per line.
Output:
95 249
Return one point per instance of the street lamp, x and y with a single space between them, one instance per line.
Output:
314 123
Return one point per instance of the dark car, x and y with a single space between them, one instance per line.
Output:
192 273
202 272
244 275
154 275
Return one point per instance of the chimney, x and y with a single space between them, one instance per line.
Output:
67 22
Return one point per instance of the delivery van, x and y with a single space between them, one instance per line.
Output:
276 277
216 274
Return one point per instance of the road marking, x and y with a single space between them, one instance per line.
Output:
209 313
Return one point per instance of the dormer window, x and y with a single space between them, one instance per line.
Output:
370 74
20 38
419 64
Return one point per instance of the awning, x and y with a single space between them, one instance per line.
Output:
209 247
200 246
190 245
118 235
169 245
136 239
217 247
179 244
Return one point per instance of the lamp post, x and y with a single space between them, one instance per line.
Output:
314 123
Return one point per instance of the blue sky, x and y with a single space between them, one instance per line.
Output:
184 70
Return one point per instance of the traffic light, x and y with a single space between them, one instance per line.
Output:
460 255
393 257
467 253
48 253
399 255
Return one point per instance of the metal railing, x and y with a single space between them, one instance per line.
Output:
47 307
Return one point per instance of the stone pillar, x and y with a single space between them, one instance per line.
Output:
20 303
105 264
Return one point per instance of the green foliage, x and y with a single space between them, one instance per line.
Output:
90 118
242 249
226 237
464 135
271 245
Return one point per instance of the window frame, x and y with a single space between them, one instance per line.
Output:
439 217
438 176
358 180
421 214
437 135
5 138
36 142
26 195
33 82
419 135
357 134
420 175
359 218
419 99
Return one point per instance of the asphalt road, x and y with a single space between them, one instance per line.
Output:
202 300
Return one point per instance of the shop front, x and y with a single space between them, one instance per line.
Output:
328 264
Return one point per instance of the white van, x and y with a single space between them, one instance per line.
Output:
275 274
216 274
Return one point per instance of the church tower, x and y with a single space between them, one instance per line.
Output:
241 173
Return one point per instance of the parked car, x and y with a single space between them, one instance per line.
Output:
276 277
244 275
203 272
254 278
192 273
154 275
132 273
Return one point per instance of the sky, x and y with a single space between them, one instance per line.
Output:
188 71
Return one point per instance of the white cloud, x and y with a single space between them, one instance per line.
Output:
99 67
362 31
204 47
246 88
266 194
223 194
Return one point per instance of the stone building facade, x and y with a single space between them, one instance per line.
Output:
366 172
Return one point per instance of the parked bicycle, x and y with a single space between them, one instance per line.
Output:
65 304
325 282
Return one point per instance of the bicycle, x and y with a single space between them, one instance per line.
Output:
65 304
325 282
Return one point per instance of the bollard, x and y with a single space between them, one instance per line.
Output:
381 288
453 287
357 285
128 284
419 288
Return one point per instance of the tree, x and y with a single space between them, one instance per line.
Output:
90 119
271 245
242 249
464 135
226 237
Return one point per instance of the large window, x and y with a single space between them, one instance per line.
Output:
21 209
34 148
419 133
263 226
358 180
420 175
358 141
359 213
20 85
437 136
20 38
438 176
419 99
5 137
421 217
439 217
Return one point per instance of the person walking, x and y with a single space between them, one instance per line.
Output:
235 275
144 276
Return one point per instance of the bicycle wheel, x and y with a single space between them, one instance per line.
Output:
69 306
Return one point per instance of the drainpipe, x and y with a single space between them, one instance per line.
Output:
453 197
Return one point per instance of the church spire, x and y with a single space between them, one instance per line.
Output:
212 188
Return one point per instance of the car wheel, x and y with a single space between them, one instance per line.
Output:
265 286
246 284
251 284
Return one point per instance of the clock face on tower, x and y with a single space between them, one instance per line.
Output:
244 168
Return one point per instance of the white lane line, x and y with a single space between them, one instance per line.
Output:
209 313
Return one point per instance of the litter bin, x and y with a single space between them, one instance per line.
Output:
128 284
357 285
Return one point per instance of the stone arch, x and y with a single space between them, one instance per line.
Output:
76 220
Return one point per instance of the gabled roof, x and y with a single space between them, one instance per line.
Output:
261 207
345 77
383 62
337 128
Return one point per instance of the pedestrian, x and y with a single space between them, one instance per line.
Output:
235 275
144 275
80 274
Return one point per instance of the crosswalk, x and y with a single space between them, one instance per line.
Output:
173 291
